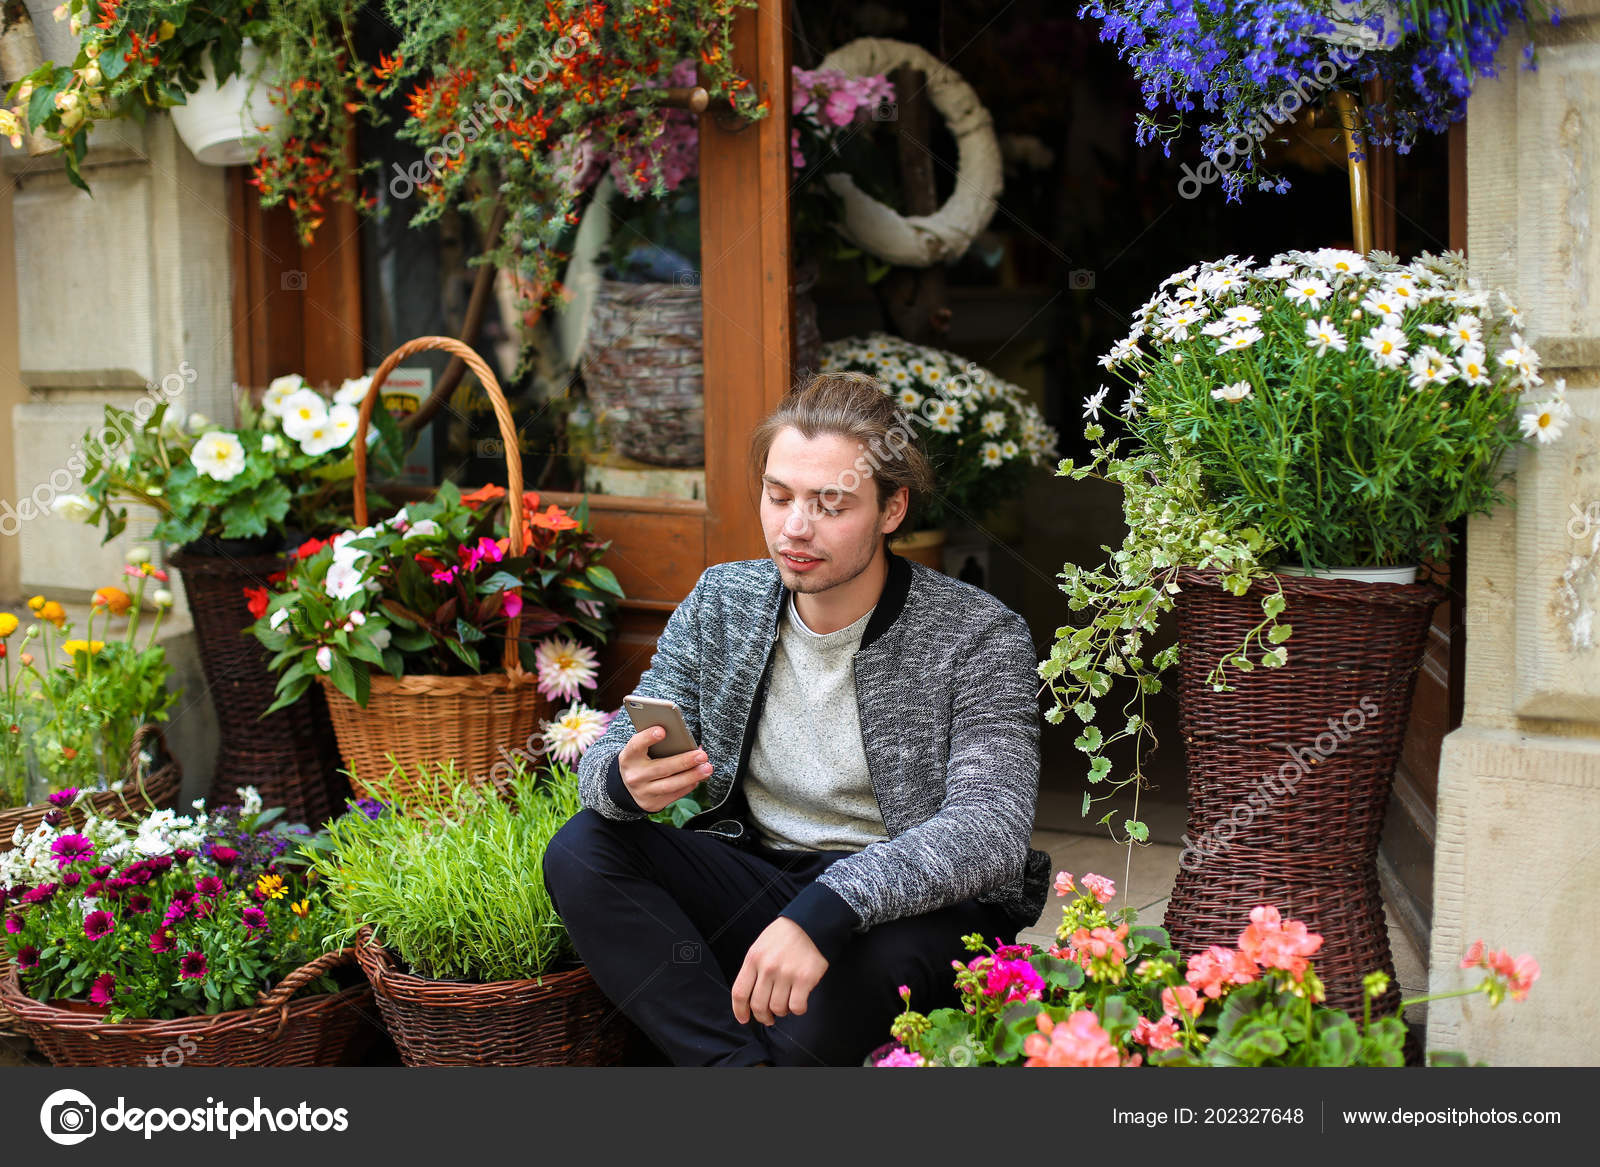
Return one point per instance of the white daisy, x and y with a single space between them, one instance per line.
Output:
1237 341
1241 315
947 419
1523 359
1321 336
1093 402
1337 263
909 399
1466 331
1546 420
1383 305
994 422
1387 346
1429 367
1470 365
1009 449
1309 291
1218 328
991 455
1131 405
1276 271
1238 391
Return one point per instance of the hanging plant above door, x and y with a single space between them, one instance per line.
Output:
1251 68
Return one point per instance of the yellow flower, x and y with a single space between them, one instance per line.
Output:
36 603
115 600
301 908
51 611
74 647
8 624
271 886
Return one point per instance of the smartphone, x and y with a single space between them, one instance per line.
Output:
649 711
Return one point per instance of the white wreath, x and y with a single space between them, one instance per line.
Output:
945 235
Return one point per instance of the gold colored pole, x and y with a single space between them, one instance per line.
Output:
1360 184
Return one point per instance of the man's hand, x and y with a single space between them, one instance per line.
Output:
780 970
659 782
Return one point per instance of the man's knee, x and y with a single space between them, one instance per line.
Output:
569 859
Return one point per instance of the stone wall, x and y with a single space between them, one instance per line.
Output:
1517 861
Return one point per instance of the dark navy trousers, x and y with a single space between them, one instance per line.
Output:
663 918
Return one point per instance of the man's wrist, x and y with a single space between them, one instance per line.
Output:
824 916
618 789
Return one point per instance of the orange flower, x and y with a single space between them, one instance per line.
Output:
386 65
54 613
484 494
114 599
554 518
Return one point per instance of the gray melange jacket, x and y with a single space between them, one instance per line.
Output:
946 686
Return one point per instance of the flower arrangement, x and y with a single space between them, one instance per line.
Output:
544 71
72 704
658 237
285 466
170 916
434 590
982 434
1233 65
1110 993
1323 408
455 889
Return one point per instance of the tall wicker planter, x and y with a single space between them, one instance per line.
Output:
644 372
1289 773
290 757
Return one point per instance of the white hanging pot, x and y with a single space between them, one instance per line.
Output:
1351 24
221 124
1392 575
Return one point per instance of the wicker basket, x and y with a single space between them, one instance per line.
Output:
142 792
562 1019
281 1030
478 722
643 366
1313 797
290 757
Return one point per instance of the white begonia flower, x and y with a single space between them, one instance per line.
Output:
1387 346
218 455
1236 392
275 400
319 439
343 419
75 507
197 422
270 443
1545 421
303 411
353 391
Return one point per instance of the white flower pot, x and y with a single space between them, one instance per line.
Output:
1349 28
221 123
1394 575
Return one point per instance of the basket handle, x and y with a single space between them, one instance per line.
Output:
278 996
508 439
146 733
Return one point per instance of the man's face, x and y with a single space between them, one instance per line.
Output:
819 514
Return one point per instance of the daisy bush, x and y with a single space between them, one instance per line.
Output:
982 434
286 465
1322 409
1237 69
434 589
166 916
1111 992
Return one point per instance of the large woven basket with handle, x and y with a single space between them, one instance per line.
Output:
424 721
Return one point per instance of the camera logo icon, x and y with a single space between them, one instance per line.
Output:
886 111
68 1117
962 1054
686 278
1080 279
686 952
293 281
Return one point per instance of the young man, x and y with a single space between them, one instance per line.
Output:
868 731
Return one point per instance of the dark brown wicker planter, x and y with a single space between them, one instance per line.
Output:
561 1019
290 757
1284 807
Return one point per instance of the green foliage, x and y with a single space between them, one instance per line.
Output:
456 890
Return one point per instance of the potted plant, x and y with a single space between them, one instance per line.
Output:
197 934
73 705
1320 411
456 931
234 499
1110 992
983 435
642 358
1249 68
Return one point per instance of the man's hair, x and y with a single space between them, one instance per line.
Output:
856 407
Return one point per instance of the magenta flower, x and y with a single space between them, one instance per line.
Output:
13 924
71 848
224 856
139 903
255 920
209 886
161 941
444 575
38 895
901 1057
192 966
64 798
27 957
103 870
71 879
99 925
105 985
512 607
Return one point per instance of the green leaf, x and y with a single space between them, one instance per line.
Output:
1084 710
1272 604
1086 801
1137 831
603 578
1089 740
1278 633
1099 768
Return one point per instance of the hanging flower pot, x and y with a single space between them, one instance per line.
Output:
227 124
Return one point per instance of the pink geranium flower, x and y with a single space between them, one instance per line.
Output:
1102 888
1064 884
1173 1001
1157 1035
1078 1041
1272 942
900 1056
1213 970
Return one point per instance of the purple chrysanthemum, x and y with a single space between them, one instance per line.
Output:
27 957
104 987
210 886
38 895
192 966
71 848
99 925
161 941
64 798
13 925
255 920
139 903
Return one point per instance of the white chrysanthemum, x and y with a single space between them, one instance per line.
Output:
990 453
994 422
909 399
1237 341
1545 421
1241 315
1466 331
1321 336
1238 391
1387 346
1470 364
274 400
1385 306
1009 449
302 412
353 391
218 455
574 731
564 666
1093 402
